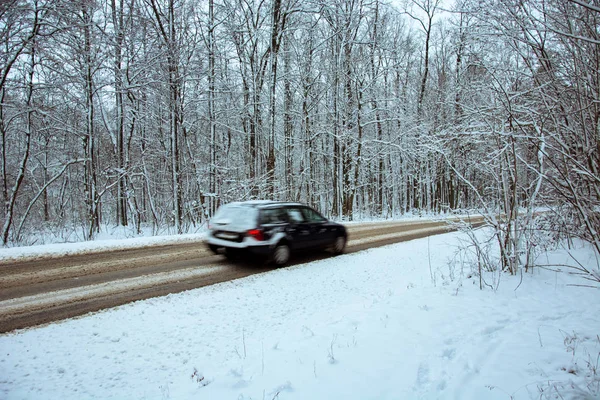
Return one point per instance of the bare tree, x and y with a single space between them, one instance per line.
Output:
429 9
19 46
165 17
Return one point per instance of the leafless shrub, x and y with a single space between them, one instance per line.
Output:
199 378
585 365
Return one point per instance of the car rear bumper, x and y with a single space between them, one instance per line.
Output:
253 250
247 242
246 246
227 243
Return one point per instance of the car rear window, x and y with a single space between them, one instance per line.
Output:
235 216
273 216
295 215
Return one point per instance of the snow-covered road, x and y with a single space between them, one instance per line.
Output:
38 287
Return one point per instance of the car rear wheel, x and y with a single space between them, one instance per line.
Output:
213 248
339 245
233 254
281 255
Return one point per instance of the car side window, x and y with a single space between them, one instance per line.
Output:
295 215
273 216
312 216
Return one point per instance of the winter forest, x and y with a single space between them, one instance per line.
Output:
152 113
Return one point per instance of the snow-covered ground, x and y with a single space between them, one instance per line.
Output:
406 321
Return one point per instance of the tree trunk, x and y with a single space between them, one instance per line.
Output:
211 109
10 205
118 26
89 150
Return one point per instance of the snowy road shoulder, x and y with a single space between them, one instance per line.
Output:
65 296
370 325
97 246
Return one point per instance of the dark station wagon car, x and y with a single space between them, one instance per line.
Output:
272 229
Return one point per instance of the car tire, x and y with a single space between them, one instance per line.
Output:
281 254
213 248
339 245
233 254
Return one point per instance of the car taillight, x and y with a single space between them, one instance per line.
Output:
256 234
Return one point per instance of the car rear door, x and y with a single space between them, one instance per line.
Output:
298 229
273 221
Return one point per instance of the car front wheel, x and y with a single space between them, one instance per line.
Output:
339 245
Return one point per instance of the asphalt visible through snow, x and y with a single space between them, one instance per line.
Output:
40 290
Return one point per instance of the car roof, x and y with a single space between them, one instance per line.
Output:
263 203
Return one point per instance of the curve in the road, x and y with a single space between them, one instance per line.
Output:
41 291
